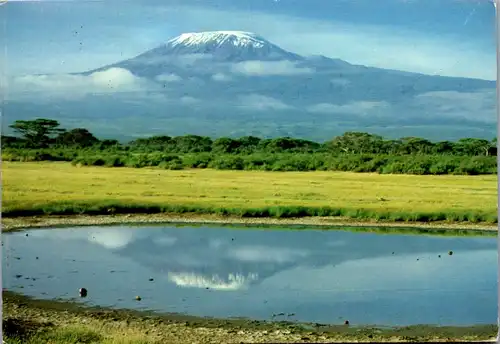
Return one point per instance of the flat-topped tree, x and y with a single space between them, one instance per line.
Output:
415 145
225 145
78 137
472 146
493 146
38 133
356 143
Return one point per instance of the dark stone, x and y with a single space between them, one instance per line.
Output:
83 292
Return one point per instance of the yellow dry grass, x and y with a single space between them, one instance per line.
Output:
28 184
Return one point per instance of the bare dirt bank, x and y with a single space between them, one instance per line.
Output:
16 223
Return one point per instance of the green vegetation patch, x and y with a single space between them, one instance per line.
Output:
44 140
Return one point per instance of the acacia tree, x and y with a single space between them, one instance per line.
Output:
357 143
494 146
225 145
415 145
77 137
471 146
37 133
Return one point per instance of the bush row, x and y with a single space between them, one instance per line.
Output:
418 165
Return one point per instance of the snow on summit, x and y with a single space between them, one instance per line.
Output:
236 38
224 46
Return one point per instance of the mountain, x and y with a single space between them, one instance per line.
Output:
190 258
190 50
234 83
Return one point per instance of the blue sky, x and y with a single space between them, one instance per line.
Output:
445 37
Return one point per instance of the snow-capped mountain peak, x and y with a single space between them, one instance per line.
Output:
236 38
222 46
202 52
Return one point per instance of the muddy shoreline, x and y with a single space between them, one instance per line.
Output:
10 224
178 328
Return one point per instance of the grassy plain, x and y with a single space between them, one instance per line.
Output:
63 189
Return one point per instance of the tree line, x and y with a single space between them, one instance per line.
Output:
44 140
46 133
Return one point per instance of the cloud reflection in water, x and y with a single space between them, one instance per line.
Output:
192 280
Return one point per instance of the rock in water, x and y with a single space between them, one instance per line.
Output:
83 292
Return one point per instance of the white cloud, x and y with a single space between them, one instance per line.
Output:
193 80
266 254
113 80
479 105
112 238
481 95
355 108
165 240
221 77
336 243
188 100
216 243
340 82
184 60
262 103
268 68
168 78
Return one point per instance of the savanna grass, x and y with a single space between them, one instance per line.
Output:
62 189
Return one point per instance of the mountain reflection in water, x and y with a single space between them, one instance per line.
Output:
320 276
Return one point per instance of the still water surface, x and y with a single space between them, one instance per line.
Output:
319 276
